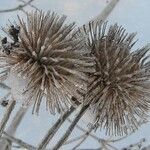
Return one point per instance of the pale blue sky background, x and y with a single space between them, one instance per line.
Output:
132 14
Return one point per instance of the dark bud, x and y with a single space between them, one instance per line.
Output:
74 99
6 46
4 103
131 145
4 40
143 140
14 31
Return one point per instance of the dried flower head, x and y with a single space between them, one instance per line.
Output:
48 55
119 90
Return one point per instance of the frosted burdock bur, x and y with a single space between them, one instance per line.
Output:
119 90
48 62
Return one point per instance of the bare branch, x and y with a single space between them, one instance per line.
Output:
30 5
7 116
74 139
19 7
71 127
54 129
137 146
4 86
83 139
19 142
85 131
13 127
104 14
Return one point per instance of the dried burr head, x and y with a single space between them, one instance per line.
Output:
119 90
49 55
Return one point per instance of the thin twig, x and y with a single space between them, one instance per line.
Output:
71 127
112 147
54 129
80 142
137 146
16 120
30 5
19 142
7 116
5 97
25 12
74 139
85 131
19 7
90 148
103 15
140 122
13 127
83 139
4 86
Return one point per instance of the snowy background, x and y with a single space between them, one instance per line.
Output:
131 14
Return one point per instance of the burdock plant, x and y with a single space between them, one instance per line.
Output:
96 68
119 90
49 60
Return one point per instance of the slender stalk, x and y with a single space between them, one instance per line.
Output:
75 139
30 5
16 8
4 143
100 148
107 10
85 131
104 14
71 127
49 135
111 147
16 120
19 142
4 86
83 139
7 116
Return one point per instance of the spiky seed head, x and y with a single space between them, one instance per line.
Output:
51 59
119 90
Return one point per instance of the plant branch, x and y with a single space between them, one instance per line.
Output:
54 129
4 86
83 139
30 5
71 127
19 7
85 131
19 142
13 127
7 116
103 15
74 139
